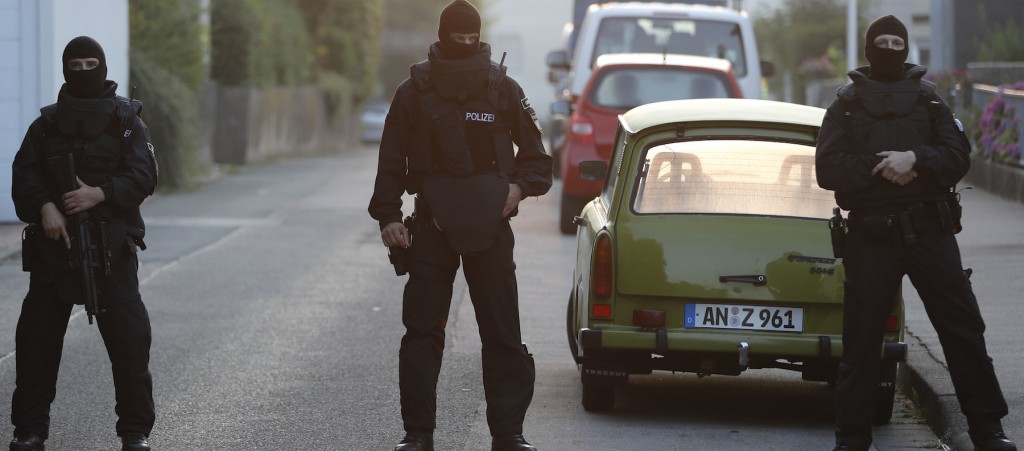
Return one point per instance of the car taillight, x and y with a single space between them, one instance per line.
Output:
892 323
649 319
602 311
582 129
602 273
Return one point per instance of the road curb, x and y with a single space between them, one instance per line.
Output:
926 382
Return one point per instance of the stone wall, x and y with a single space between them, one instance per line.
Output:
255 124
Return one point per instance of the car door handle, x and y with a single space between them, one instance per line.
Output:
755 279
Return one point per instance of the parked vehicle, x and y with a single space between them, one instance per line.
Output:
708 252
372 120
621 82
668 28
641 27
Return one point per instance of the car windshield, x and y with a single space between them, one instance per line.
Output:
732 177
672 35
626 88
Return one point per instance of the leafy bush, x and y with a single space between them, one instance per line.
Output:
171 111
998 126
166 65
259 43
946 82
345 35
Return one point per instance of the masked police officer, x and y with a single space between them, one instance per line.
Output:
101 138
891 151
448 139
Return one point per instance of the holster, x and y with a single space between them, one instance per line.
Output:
399 256
30 258
40 254
837 227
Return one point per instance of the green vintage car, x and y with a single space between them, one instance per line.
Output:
708 251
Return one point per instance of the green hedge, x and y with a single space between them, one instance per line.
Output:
259 43
166 65
171 111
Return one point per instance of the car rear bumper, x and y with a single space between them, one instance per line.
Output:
639 352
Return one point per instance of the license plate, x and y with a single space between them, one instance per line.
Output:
745 317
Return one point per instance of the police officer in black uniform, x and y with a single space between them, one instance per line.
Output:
448 139
109 146
891 150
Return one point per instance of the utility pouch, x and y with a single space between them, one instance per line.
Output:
30 259
837 225
906 221
945 218
919 217
876 227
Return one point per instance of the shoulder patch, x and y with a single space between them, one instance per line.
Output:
525 102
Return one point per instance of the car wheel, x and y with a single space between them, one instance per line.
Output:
570 331
886 393
598 397
571 206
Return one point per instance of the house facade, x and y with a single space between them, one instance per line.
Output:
33 34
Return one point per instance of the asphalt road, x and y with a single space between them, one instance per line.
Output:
276 322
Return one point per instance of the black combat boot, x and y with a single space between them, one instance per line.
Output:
416 441
992 441
134 441
28 442
511 442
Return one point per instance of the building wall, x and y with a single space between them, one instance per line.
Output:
970 30
33 34
528 30
916 16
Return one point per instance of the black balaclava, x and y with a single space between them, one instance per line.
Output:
85 84
886 64
460 16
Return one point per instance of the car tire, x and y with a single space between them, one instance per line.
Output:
886 393
598 397
570 331
571 206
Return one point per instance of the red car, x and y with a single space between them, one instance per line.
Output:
619 83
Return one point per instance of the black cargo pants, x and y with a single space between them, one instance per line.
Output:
126 333
508 369
875 266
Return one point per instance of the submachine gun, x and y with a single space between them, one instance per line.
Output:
89 251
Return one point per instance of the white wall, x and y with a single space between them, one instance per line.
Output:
33 34
527 30
106 21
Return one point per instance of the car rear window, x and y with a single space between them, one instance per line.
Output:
731 177
626 88
672 35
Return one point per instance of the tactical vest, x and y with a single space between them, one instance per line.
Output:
468 135
903 125
97 132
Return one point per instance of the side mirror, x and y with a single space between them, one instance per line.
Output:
561 107
593 170
558 59
767 69
555 76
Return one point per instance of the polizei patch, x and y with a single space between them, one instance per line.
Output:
479 117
